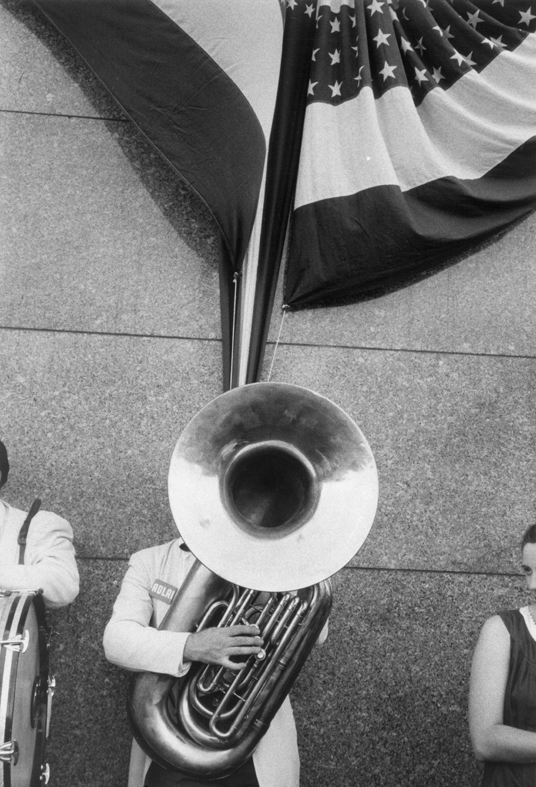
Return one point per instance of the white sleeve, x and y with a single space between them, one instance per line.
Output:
49 562
129 640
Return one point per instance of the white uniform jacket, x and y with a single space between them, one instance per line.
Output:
132 641
49 558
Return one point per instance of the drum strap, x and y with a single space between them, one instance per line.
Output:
23 535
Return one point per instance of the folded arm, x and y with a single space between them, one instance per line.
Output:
491 738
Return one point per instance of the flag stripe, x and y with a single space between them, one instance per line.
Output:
386 238
179 97
463 132
246 45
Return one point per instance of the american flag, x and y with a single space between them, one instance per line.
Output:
404 131
419 140
413 43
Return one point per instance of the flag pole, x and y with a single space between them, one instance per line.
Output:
263 258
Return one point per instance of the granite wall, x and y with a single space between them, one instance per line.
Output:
109 322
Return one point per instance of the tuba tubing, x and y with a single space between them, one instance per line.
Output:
272 487
182 744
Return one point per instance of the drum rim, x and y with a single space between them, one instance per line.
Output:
27 599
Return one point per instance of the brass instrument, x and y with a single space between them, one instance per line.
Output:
272 487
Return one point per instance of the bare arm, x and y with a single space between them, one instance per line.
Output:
491 738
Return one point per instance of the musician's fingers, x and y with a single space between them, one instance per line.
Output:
237 631
244 651
232 665
241 642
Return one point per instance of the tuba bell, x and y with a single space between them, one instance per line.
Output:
273 488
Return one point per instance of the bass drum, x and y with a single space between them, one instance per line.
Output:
26 689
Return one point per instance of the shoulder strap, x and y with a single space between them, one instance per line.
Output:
517 628
23 534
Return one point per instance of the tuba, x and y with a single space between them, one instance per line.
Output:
273 488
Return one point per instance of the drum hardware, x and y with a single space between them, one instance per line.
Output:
24 675
39 693
9 752
18 643
273 489
51 690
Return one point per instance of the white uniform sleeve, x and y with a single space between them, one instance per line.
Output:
129 641
49 562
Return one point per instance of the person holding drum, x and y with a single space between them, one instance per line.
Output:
36 550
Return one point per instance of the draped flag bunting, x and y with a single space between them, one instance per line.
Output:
397 135
199 79
419 141
204 102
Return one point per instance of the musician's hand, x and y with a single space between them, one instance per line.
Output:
217 645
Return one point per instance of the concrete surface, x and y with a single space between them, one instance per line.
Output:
384 703
110 344
87 223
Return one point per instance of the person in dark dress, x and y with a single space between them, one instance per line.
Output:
502 695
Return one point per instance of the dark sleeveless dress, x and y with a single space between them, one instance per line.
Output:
519 703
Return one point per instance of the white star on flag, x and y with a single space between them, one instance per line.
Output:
335 57
420 75
358 78
335 89
375 6
457 56
387 71
473 19
381 38
420 46
526 16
